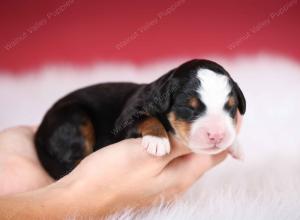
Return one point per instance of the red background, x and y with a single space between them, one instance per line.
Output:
89 31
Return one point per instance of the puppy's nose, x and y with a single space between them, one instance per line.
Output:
215 137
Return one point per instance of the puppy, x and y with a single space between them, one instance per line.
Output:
197 102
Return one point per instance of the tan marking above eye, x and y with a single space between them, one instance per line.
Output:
193 102
181 127
231 101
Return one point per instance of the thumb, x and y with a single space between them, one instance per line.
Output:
185 170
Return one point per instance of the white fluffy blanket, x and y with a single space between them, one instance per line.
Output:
265 186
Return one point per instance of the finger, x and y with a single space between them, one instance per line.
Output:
34 128
130 153
16 139
185 170
134 149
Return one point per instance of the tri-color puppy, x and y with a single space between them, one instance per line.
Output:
197 101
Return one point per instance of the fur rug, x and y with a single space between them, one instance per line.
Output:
265 186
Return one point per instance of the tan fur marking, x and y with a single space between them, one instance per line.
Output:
87 131
182 128
152 126
231 101
193 102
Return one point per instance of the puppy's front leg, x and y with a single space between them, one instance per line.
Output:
155 138
236 151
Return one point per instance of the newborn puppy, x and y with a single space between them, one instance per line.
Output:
197 102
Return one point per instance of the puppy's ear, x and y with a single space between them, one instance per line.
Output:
163 90
240 97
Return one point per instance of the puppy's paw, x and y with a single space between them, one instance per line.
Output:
158 146
236 151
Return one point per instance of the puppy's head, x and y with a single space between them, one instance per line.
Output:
203 110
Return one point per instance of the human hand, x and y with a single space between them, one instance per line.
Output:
20 169
118 176
125 175
121 175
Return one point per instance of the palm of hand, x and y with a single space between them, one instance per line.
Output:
20 169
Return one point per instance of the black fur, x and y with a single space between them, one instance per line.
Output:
114 110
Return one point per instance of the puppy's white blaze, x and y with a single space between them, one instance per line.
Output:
213 92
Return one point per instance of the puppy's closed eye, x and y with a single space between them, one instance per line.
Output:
185 112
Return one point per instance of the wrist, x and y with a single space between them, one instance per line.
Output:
63 199
78 197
